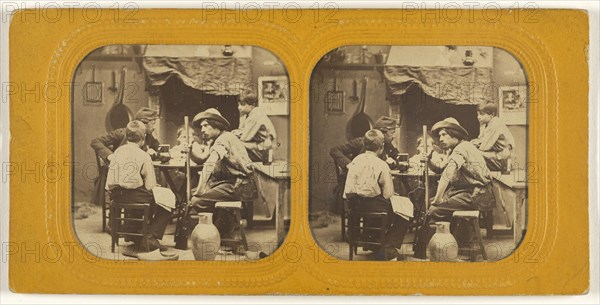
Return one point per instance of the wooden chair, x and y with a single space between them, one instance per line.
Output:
343 204
361 232
125 219
100 163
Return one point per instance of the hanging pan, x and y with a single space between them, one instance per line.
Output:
360 122
119 115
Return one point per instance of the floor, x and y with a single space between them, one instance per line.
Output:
329 238
261 238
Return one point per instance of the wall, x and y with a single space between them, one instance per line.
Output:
89 120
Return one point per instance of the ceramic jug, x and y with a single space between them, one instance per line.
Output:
205 239
442 247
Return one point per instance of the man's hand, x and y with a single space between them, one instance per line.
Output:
151 152
185 147
424 158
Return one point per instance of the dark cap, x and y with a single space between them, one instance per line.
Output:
146 114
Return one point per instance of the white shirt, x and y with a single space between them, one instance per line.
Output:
130 168
368 176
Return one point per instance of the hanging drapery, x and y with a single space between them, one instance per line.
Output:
199 69
441 73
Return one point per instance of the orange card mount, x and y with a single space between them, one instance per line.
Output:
312 71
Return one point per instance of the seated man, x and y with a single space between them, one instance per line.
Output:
369 180
224 173
495 140
106 144
255 130
131 179
344 154
465 183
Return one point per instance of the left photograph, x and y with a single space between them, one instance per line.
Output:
181 152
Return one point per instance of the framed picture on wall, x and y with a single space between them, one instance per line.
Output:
512 107
274 94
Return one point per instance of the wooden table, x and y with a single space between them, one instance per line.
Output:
516 185
414 173
175 164
277 173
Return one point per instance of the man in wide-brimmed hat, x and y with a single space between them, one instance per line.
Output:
465 183
226 167
105 145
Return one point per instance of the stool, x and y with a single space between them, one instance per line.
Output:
238 243
472 218
487 220
123 217
358 231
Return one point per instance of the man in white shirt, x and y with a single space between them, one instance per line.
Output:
131 179
369 188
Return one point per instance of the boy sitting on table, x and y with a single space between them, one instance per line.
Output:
256 131
131 179
369 185
495 141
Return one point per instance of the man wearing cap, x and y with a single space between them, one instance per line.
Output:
344 154
224 171
107 144
465 183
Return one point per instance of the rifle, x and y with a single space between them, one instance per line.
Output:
421 223
184 222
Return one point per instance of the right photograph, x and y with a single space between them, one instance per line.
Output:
419 153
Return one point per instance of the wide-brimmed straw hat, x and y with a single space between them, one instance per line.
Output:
448 123
211 114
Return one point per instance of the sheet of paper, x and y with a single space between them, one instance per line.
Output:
402 206
164 197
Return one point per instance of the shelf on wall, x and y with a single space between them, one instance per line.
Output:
113 57
353 67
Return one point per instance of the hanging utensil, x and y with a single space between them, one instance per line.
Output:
119 115
335 98
360 122
354 98
93 89
113 83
